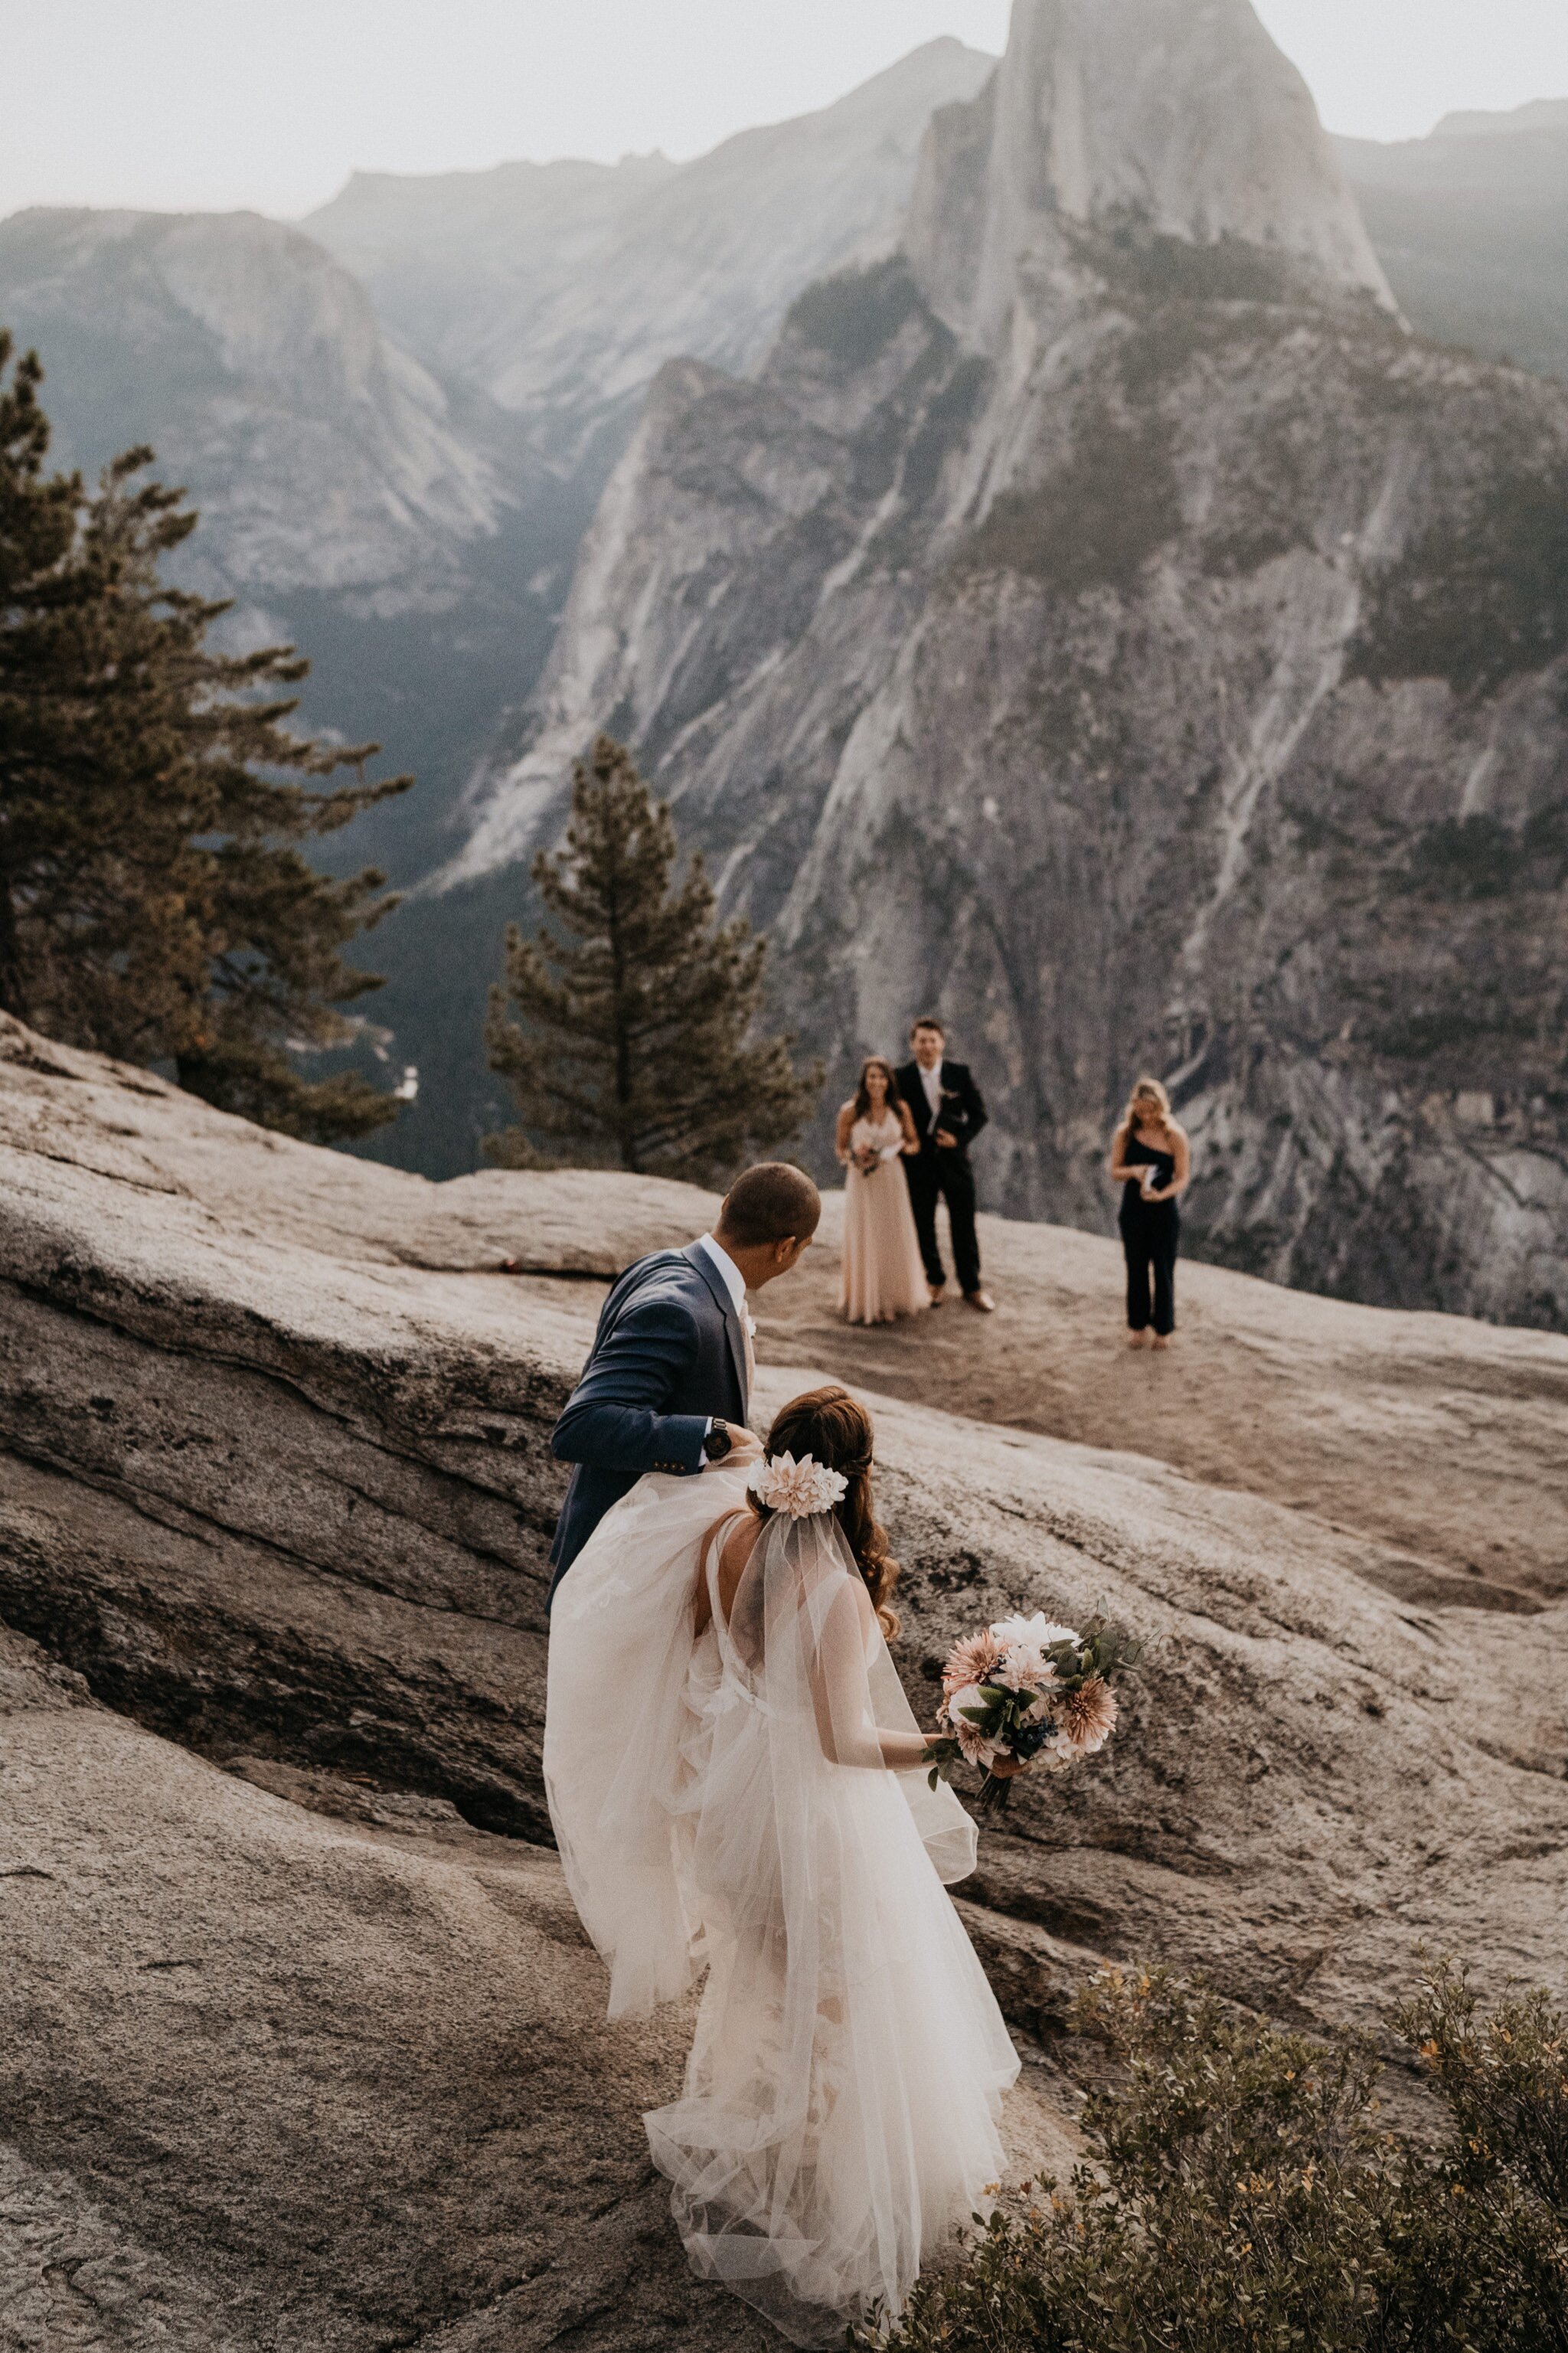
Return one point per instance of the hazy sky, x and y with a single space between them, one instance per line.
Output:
271 103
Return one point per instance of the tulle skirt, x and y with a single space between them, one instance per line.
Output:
840 2110
883 1276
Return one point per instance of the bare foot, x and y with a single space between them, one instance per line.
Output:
1162 1339
936 1290
1138 1340
981 1300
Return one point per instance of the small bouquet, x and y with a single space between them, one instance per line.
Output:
867 1157
1029 1690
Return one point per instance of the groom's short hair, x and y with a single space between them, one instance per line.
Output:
769 1204
929 1021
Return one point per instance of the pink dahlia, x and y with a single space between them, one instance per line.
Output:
1087 1716
971 1661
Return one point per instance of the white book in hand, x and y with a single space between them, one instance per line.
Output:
1150 1178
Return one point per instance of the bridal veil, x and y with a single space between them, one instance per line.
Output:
722 1802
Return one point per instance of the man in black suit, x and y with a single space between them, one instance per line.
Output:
948 1113
670 1368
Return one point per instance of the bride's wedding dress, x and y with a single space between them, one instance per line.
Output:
721 1803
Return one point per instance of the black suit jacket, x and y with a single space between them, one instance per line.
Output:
668 1356
963 1111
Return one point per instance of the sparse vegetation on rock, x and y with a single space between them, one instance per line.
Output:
1244 2191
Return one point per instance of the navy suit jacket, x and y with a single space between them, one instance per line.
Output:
668 1356
963 1111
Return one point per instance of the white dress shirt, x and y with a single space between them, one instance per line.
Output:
734 1281
932 1081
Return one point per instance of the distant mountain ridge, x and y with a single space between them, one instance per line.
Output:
1539 114
1471 225
560 288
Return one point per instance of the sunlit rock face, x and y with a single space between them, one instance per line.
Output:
1109 624
1184 116
283 1936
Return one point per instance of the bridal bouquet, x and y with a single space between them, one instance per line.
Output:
1029 1690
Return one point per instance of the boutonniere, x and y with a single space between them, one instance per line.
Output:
752 1326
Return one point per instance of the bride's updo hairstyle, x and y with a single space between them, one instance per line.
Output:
835 1428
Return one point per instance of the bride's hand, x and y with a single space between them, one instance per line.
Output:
1002 1768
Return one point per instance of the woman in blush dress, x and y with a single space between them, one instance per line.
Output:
883 1277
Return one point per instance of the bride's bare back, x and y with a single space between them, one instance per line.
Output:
739 1546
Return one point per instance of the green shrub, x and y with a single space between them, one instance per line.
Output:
1093 524
855 315
1245 2194
1143 263
1480 601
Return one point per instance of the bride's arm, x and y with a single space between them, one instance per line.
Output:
840 1694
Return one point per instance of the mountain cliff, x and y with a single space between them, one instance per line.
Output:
397 423
348 502
320 454
1107 621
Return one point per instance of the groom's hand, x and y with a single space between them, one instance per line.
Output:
945 1135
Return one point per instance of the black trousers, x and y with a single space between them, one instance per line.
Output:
1151 1237
945 1175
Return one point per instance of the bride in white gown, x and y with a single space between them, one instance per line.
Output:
733 1774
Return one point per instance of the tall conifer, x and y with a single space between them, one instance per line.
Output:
154 898
632 1047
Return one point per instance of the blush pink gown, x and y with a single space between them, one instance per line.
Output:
883 1277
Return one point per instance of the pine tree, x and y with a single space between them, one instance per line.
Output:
154 898
632 1047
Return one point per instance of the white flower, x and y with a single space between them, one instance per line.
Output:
752 1326
1039 1630
799 1488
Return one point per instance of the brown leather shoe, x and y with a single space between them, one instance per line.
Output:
937 1290
981 1300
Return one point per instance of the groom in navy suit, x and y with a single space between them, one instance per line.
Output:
671 1364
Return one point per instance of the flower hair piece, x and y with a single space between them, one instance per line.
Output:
800 1488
